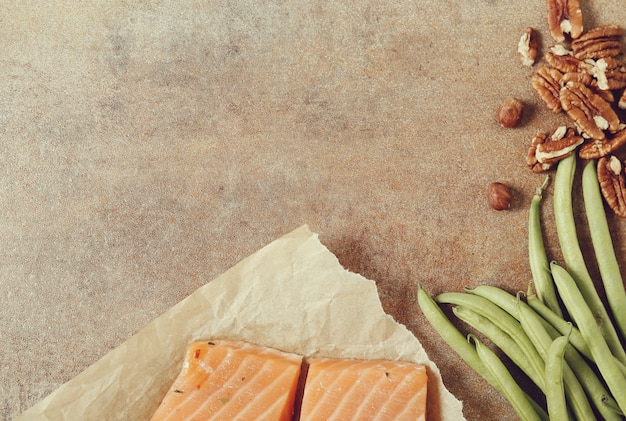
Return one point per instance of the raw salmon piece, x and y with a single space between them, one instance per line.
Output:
232 380
347 389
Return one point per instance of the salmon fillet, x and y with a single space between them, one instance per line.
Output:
232 380
347 389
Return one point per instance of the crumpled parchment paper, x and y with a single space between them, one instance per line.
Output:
292 295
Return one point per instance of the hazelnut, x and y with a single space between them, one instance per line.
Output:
510 112
499 196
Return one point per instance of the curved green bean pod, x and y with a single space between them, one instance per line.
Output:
455 339
612 406
539 265
451 335
510 389
585 375
504 321
498 296
496 335
572 254
560 324
603 246
588 379
584 319
555 396
574 385
449 331
502 340
510 303
593 386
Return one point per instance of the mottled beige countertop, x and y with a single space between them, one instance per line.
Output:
146 147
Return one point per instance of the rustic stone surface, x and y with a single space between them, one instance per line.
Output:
146 147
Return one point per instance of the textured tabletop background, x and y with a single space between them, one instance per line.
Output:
148 146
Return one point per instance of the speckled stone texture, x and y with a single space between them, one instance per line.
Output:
146 147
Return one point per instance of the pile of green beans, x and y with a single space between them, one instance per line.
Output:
559 333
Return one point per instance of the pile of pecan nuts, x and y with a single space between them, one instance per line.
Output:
582 76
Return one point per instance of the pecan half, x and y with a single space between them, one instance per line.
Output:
562 60
591 113
548 149
599 42
612 184
531 158
608 96
589 81
564 17
599 148
582 77
527 47
547 82
608 72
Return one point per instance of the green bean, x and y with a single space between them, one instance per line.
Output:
611 405
541 412
621 366
603 246
572 254
496 335
591 383
451 335
510 389
502 340
510 304
455 339
560 324
574 385
459 344
539 265
504 321
588 379
584 319
498 296
555 396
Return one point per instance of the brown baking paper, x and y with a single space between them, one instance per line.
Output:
292 295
